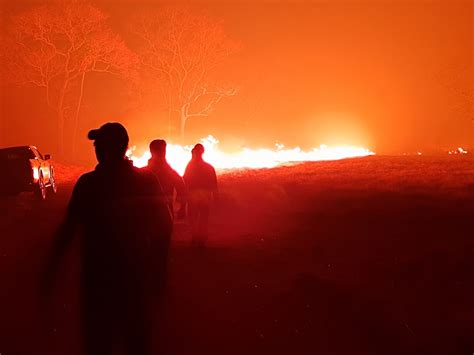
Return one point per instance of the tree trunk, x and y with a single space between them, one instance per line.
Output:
60 128
182 121
170 113
61 118
76 116
61 123
169 122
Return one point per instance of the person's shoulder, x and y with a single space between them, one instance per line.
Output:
146 176
149 182
209 166
143 173
171 171
189 166
85 181
86 178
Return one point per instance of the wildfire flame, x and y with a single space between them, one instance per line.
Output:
178 156
460 150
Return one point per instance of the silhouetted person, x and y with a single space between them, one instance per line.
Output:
201 183
122 218
169 179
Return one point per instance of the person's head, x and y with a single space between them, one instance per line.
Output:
110 142
197 151
158 148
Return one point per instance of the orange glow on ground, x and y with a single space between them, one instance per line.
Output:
178 156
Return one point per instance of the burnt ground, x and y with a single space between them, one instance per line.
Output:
362 256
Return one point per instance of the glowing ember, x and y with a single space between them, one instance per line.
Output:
458 151
178 156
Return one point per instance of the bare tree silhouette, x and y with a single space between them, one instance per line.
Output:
54 47
182 50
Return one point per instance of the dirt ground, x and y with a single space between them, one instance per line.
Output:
360 256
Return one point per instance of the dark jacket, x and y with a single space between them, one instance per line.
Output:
201 181
169 179
124 226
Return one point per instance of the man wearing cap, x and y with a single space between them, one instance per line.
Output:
201 183
169 179
124 223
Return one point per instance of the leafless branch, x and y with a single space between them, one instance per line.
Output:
182 49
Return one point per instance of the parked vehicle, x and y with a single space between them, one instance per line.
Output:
26 169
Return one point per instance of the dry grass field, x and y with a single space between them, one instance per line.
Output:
359 256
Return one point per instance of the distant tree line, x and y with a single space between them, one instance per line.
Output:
57 46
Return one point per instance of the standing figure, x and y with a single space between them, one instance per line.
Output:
121 217
201 183
170 180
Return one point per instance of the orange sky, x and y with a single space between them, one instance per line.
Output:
386 74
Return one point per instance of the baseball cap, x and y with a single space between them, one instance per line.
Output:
110 132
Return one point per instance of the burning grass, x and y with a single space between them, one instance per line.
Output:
178 156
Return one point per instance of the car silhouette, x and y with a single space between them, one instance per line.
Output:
25 169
